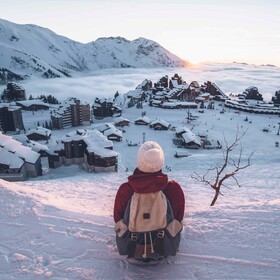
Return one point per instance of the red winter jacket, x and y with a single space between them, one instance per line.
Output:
141 182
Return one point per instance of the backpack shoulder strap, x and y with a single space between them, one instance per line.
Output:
127 213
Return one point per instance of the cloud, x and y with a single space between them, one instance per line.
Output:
231 78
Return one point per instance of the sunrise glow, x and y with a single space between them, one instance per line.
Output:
243 31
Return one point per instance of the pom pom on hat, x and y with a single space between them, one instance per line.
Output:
150 157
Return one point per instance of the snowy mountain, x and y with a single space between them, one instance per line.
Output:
33 50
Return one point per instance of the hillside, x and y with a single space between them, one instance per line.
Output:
33 50
60 225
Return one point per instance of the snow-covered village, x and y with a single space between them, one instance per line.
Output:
68 168
71 127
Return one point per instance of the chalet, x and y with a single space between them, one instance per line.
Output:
190 140
39 133
113 134
120 121
32 105
159 125
10 118
11 166
14 92
99 159
89 148
187 138
110 131
104 107
142 121
31 160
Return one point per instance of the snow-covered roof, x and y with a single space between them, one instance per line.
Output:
104 126
189 136
205 94
71 138
99 150
162 122
16 147
9 106
95 141
178 103
121 119
143 84
103 99
200 98
37 147
180 129
28 103
156 102
101 140
39 130
169 104
173 91
10 159
134 93
144 119
27 154
58 146
114 131
252 108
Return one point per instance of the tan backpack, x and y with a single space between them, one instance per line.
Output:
148 230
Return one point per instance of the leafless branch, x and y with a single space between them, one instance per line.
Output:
220 174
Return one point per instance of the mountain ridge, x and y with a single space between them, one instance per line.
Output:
31 50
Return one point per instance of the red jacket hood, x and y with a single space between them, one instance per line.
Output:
147 182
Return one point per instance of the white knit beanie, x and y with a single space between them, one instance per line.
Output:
150 157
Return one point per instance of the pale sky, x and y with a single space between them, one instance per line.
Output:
195 30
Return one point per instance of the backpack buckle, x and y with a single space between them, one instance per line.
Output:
160 234
133 236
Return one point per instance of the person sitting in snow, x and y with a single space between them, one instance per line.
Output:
148 180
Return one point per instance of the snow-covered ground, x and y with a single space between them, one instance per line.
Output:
60 225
